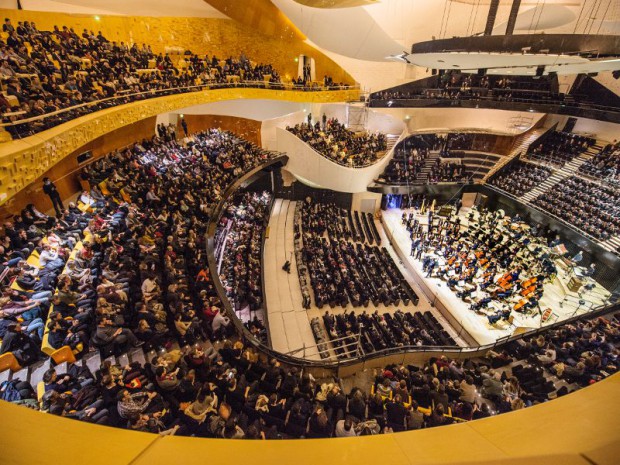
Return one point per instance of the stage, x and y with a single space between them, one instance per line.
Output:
474 327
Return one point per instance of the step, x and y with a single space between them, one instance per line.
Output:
123 360
62 368
137 355
5 376
37 371
22 375
93 362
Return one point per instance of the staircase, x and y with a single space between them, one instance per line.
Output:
426 169
520 146
391 140
569 169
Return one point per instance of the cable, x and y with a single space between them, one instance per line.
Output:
445 7
473 24
448 17
583 5
590 15
469 20
540 15
529 29
595 15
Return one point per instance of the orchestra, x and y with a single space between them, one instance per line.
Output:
496 264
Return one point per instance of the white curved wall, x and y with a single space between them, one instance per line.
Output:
312 168
442 119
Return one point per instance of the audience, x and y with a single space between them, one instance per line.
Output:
559 148
48 71
520 177
605 165
588 206
341 145
241 230
233 393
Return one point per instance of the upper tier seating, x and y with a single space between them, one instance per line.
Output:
341 145
558 148
605 165
454 85
519 177
588 206
43 72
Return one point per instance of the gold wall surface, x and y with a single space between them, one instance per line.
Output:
23 161
578 429
65 173
248 129
222 37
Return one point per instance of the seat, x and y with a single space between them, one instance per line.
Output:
9 362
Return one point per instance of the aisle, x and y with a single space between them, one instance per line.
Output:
289 326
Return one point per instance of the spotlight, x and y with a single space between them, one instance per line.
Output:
97 18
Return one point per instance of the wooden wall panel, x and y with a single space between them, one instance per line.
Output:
248 129
65 173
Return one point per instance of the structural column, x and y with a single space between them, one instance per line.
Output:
512 18
491 18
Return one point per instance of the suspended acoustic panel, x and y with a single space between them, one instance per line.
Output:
335 3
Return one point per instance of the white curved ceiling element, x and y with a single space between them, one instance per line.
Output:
540 18
174 8
335 3
351 32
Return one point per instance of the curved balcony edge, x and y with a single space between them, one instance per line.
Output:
524 436
310 166
24 160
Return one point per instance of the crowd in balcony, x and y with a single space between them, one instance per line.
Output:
43 72
605 165
559 148
409 158
446 171
234 393
520 177
336 142
138 272
454 85
586 205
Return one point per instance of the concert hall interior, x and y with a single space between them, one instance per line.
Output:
390 226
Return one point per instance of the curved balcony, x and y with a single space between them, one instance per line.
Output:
524 436
23 161
559 107
313 168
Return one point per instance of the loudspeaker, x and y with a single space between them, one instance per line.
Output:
482 72
433 72
539 71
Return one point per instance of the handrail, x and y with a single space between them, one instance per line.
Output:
176 90
562 103
471 351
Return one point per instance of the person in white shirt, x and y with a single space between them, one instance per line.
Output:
344 428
